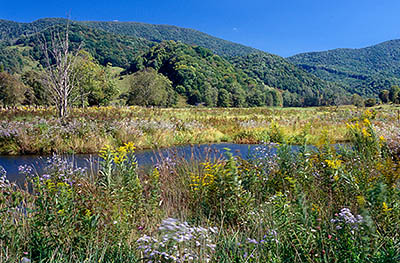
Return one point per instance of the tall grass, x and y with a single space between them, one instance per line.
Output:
35 130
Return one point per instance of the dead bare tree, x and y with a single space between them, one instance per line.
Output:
60 77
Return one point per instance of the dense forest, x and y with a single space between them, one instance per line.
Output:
364 71
300 88
187 67
205 78
104 47
10 30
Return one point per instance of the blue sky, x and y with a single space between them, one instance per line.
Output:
283 27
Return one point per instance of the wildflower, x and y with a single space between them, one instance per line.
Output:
368 114
88 213
130 146
252 241
105 151
385 207
336 178
365 133
346 218
179 243
315 207
334 164
207 179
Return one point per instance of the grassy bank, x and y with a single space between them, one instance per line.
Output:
35 130
314 205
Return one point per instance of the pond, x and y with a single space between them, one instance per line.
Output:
145 157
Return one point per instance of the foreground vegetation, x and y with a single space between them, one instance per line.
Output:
325 204
26 130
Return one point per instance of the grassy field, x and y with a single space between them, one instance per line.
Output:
318 204
26 130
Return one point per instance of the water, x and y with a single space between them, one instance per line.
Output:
147 157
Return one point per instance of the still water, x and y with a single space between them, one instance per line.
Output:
146 157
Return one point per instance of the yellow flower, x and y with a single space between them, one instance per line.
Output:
156 173
315 207
382 138
385 207
130 146
368 113
105 150
367 122
88 213
119 159
334 164
365 133
208 179
195 181
122 150
336 178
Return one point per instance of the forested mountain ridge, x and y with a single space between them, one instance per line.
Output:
204 77
10 30
364 71
217 65
103 46
300 88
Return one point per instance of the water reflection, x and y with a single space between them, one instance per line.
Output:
146 157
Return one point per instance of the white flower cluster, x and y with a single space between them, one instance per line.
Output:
346 217
4 183
179 242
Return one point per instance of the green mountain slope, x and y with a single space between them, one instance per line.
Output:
364 71
104 47
197 64
12 58
274 71
167 32
199 75
11 30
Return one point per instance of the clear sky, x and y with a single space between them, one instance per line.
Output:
283 27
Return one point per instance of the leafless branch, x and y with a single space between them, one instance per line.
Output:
60 77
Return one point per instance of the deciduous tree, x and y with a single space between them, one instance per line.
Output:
149 88
12 91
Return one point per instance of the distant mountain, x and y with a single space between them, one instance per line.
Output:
364 71
277 72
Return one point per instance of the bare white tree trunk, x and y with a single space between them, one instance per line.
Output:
60 77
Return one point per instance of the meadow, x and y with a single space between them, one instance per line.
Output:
35 130
317 204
